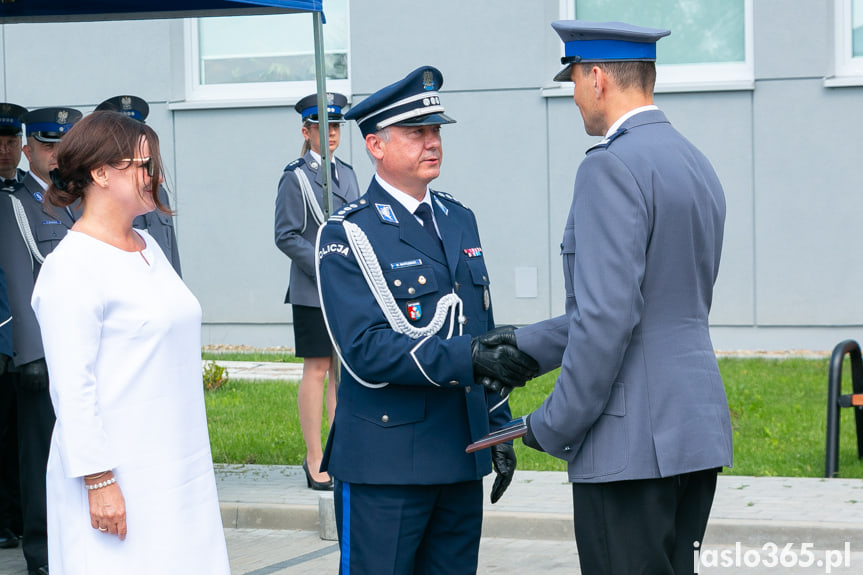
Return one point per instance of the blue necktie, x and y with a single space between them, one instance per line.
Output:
424 213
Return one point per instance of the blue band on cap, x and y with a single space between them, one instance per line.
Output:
588 50
47 127
313 111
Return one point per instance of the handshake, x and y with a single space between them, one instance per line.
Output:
497 362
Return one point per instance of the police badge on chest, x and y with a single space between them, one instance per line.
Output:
415 310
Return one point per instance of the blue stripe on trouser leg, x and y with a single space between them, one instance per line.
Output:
345 567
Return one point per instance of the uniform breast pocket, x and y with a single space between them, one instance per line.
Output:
165 219
48 235
567 251
412 282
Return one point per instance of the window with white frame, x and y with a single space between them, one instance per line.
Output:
248 58
710 46
849 44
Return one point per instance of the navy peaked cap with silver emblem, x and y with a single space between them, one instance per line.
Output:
132 106
604 42
50 124
412 101
10 119
308 107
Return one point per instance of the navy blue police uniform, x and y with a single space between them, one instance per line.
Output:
401 307
30 229
157 223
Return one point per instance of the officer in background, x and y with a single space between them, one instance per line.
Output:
298 215
10 504
29 230
404 286
159 224
10 144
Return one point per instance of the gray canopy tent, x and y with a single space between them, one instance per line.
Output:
34 11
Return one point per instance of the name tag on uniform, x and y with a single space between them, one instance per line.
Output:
50 221
410 264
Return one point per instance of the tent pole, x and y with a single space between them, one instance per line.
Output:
324 132
323 116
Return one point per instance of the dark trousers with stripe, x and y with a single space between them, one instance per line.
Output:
408 529
646 526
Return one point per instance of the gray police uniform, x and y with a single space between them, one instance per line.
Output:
48 225
161 226
639 385
295 225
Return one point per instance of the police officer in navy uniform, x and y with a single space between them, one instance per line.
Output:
298 215
159 224
29 230
10 144
404 287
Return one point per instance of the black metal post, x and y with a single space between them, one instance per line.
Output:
834 388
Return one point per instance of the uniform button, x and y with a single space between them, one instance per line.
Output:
353 205
453 382
385 418
457 286
397 283
412 291
362 202
485 279
467 390
422 280
567 448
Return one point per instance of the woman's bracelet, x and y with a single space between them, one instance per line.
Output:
101 484
96 475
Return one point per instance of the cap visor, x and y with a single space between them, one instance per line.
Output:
428 120
333 119
565 74
48 138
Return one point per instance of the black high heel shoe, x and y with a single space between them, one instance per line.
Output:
316 485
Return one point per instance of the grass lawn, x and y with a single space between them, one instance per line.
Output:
269 356
778 413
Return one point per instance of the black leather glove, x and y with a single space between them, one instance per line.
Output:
33 376
3 360
529 438
498 363
503 459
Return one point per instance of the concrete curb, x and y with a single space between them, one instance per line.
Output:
558 526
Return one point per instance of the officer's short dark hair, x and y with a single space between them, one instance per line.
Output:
101 138
628 74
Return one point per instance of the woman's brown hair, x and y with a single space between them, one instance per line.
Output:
103 138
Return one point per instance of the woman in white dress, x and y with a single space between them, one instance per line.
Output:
130 475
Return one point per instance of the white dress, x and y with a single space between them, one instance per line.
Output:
122 341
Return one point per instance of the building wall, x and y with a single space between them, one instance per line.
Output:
785 151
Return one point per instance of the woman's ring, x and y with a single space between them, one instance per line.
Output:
103 529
